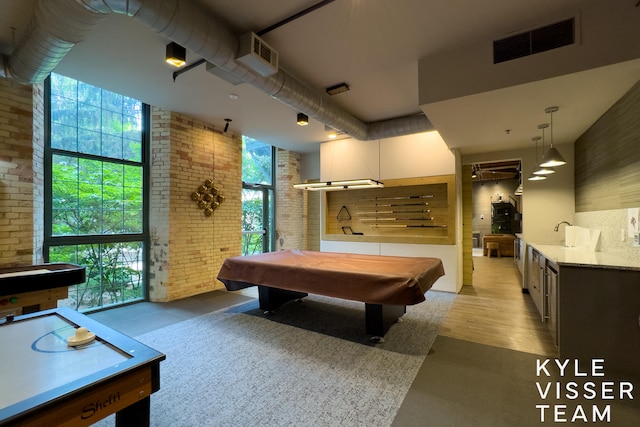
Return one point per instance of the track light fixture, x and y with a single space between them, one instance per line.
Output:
176 55
349 184
303 119
226 126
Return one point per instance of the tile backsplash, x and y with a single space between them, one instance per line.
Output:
613 225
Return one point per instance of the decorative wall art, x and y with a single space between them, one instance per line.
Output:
208 197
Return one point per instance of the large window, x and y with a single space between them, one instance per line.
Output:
95 193
257 197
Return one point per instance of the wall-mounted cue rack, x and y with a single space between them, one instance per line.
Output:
415 210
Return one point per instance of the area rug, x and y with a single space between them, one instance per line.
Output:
345 319
236 369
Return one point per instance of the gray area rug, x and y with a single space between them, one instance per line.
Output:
237 369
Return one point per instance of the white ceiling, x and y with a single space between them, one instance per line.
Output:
372 45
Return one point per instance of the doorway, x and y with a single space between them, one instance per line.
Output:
491 205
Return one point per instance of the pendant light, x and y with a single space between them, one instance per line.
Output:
534 177
542 170
553 157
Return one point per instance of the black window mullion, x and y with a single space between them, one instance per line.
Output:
137 240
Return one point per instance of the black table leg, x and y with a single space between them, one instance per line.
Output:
272 298
136 415
380 317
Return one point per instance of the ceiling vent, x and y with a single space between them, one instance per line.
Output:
535 41
257 55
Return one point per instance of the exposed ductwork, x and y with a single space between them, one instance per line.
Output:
57 25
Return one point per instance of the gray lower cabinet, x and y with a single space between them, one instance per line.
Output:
535 278
599 315
542 280
551 299
592 310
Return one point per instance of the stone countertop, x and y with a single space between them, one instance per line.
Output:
562 255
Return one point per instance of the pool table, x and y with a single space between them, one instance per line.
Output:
386 284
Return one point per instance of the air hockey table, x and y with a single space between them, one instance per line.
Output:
47 382
31 288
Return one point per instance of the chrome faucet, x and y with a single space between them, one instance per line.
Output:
558 225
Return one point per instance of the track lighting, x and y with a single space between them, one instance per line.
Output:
349 184
176 55
226 126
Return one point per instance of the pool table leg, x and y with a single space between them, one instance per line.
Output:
380 317
272 298
136 415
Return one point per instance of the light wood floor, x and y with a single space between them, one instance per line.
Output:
495 312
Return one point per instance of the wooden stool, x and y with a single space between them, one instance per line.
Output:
493 246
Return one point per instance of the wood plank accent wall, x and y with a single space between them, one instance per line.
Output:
313 220
607 158
467 226
413 210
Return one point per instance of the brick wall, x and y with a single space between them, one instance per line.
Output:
16 175
187 247
290 203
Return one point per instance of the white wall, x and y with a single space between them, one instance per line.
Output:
309 166
349 159
423 154
447 253
410 156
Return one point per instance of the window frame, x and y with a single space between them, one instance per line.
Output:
50 241
268 209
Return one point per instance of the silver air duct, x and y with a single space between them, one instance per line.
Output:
58 25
